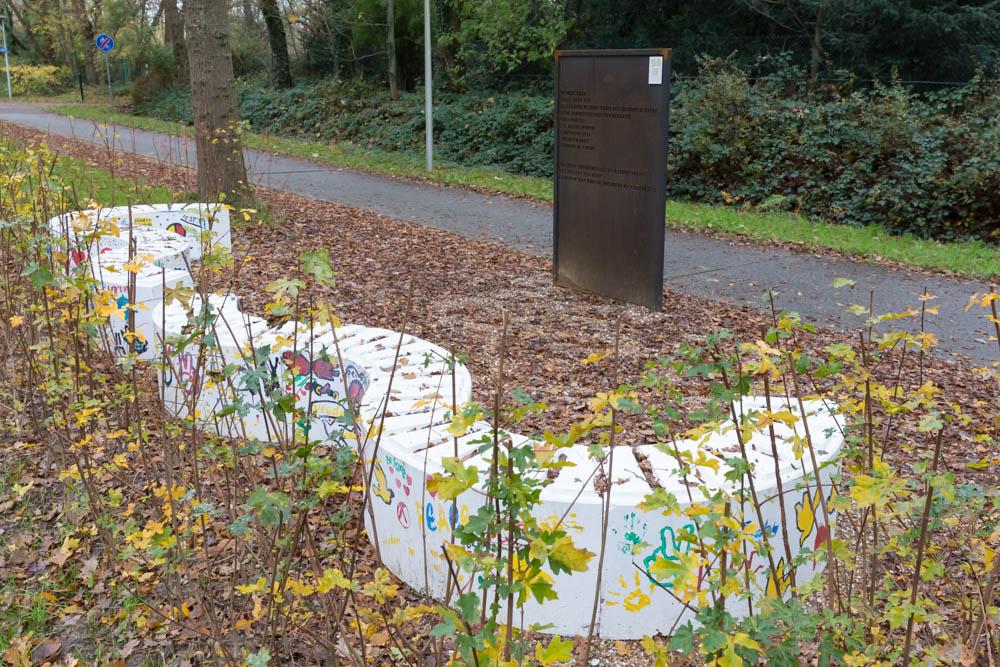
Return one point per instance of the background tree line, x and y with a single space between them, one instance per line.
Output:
500 44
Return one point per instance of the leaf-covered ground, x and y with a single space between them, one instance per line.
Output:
458 290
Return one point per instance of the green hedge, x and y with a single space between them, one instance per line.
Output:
928 164
513 132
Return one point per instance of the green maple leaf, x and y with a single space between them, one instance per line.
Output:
457 480
317 264
558 650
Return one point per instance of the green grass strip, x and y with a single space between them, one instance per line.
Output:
972 259
89 186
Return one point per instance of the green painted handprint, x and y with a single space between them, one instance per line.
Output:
670 545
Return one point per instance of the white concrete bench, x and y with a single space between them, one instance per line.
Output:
411 525
167 238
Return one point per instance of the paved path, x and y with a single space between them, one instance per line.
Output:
695 264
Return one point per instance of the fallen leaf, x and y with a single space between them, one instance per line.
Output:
129 647
18 653
47 650
88 569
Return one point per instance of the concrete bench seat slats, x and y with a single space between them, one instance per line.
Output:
190 221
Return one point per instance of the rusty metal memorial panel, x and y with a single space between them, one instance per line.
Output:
610 185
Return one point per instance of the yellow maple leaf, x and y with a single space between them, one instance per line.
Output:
106 305
982 300
296 587
565 555
258 585
596 357
333 578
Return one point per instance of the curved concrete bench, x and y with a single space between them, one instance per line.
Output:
302 361
410 525
201 225
167 239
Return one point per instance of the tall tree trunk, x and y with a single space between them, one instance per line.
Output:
87 30
278 42
335 50
390 15
173 34
8 20
447 52
249 21
816 60
221 169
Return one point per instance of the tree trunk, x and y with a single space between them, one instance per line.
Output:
390 15
446 52
279 44
335 51
8 21
249 21
173 34
87 30
816 61
29 32
222 172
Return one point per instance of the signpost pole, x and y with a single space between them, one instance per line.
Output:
428 86
107 68
6 59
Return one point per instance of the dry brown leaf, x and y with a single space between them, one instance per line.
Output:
18 653
129 648
47 650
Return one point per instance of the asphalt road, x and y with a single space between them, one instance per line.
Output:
694 264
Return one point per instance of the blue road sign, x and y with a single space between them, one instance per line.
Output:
105 43
3 50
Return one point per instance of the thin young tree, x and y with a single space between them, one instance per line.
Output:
808 18
278 41
221 169
249 18
390 16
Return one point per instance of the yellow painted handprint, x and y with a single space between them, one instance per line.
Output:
776 586
630 595
381 488
805 515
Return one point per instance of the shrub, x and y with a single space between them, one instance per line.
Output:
511 131
172 104
38 79
160 74
924 164
148 86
